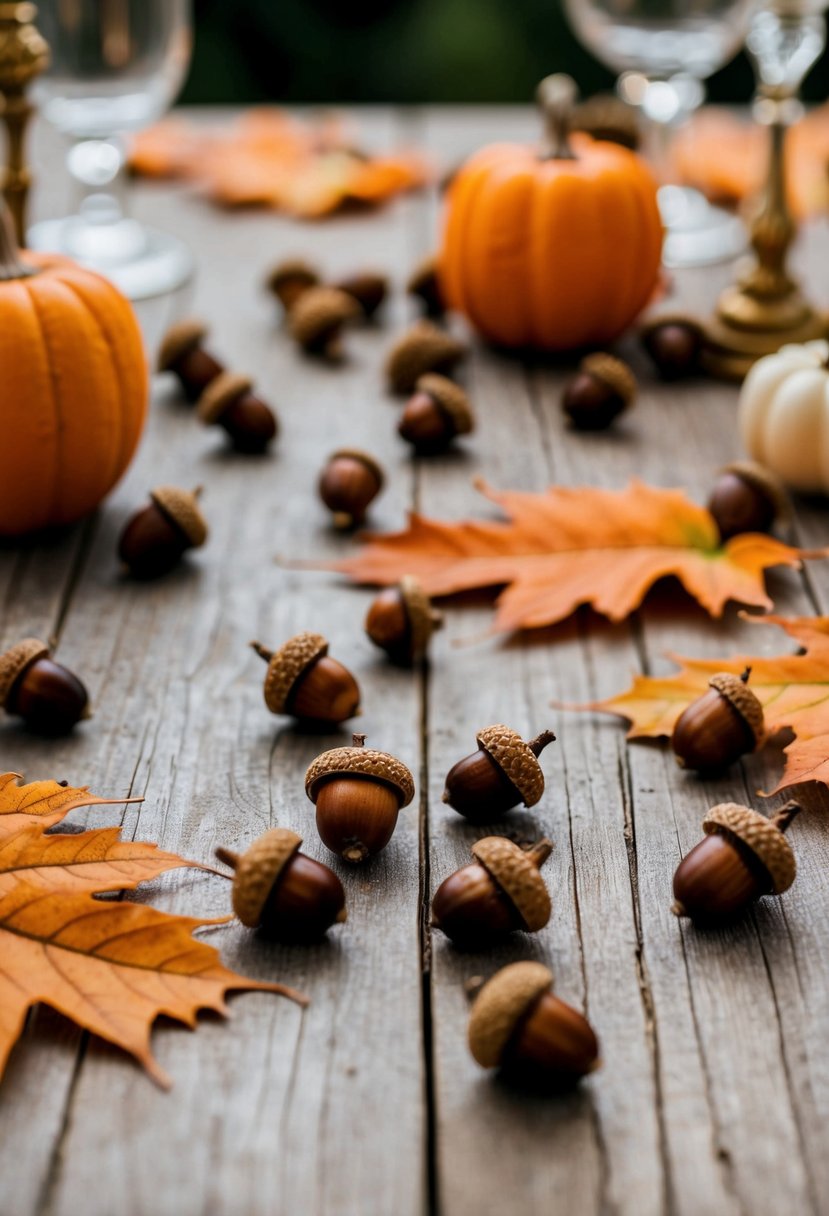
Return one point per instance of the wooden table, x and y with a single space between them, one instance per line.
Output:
714 1095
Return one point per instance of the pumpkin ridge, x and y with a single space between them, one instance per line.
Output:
473 191
54 395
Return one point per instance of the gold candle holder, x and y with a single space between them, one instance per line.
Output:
24 54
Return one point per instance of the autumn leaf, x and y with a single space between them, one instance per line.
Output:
43 802
572 546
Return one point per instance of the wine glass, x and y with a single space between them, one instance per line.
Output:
116 66
664 50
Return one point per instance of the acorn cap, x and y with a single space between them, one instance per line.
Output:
287 664
607 117
179 340
15 661
518 876
360 761
742 700
670 318
182 508
258 869
320 311
451 398
422 348
221 393
612 372
760 478
292 270
759 834
424 281
365 458
516 760
500 1006
422 618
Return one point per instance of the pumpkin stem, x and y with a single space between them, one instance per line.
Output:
11 266
556 96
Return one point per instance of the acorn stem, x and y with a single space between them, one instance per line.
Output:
262 651
227 857
786 814
744 677
538 744
358 740
540 852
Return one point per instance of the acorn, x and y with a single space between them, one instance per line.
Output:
350 481
290 279
401 621
673 342
46 695
317 320
287 896
747 498
229 403
605 116
303 681
435 414
517 1025
602 389
368 288
423 283
157 536
726 722
743 856
421 349
358 793
500 892
182 353
501 773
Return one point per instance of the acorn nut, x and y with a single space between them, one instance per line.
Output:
501 773
182 353
602 389
501 891
290 279
304 681
348 484
747 498
424 284
423 348
401 621
368 288
46 695
317 320
726 722
157 536
673 343
435 414
358 793
229 403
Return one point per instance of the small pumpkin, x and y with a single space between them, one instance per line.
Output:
557 248
74 386
784 415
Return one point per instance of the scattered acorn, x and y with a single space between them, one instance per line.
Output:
673 343
46 695
501 773
401 621
303 681
368 288
290 279
348 484
287 896
158 535
358 794
421 349
747 497
423 283
435 414
229 403
726 722
182 353
317 319
742 857
501 891
600 391
517 1025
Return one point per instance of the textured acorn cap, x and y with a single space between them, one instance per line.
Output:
422 348
287 664
292 270
15 661
360 762
221 393
759 834
424 282
516 760
258 869
612 372
179 340
422 618
760 478
518 876
451 398
320 311
500 1006
181 506
364 458
741 699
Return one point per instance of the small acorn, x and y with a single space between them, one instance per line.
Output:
423 283
46 695
606 117
501 891
501 773
517 1025
287 896
747 498
303 681
229 403
158 535
358 794
317 320
435 414
742 857
182 353
401 621
726 722
368 288
350 481
602 389
421 349
673 343
290 279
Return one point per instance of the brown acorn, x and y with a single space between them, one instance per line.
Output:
289 897
157 536
421 349
605 116
401 620
726 722
747 497
304 681
602 389
290 279
317 320
182 353
501 891
501 773
229 403
674 342
423 283
348 484
358 793
46 695
435 414
368 288
517 1025
743 856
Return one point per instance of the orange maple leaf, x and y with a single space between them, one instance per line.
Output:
43 802
572 546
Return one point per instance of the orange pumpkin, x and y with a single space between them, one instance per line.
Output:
553 249
73 388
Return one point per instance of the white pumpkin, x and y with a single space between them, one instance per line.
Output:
784 415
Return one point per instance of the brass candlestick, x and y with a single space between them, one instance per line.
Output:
23 55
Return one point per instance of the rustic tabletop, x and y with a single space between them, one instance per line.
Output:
714 1095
